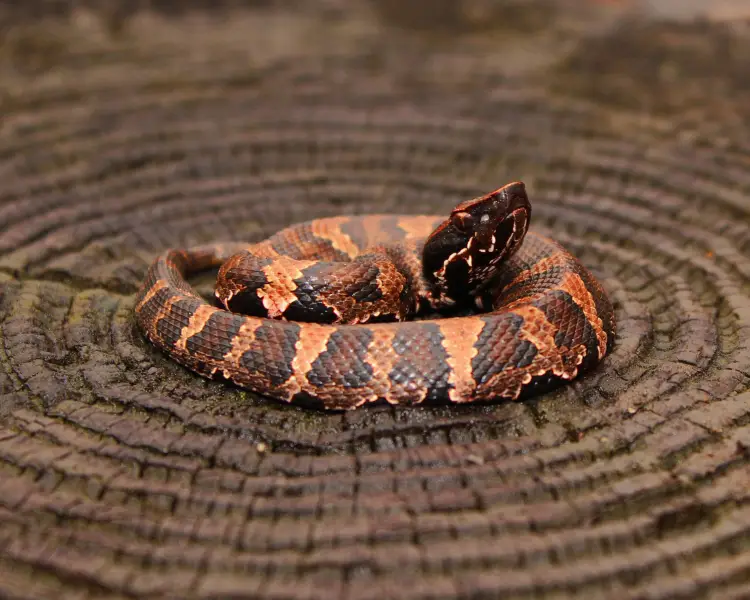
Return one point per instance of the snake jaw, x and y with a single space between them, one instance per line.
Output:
477 237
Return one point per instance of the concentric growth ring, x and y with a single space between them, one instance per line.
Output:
158 482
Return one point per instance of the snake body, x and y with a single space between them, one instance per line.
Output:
330 302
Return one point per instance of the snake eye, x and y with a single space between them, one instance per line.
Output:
462 221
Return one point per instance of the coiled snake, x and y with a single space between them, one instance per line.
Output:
331 298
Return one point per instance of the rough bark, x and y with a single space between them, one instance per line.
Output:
126 129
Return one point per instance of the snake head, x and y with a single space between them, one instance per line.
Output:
468 248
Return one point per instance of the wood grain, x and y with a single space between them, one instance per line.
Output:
129 128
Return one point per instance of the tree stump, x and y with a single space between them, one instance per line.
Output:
127 128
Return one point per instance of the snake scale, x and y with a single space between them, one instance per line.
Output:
329 312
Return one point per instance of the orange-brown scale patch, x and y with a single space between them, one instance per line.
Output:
247 341
356 292
561 362
264 249
540 268
330 231
386 357
266 364
158 285
459 339
345 364
418 227
241 344
278 293
421 372
373 230
540 332
170 318
196 324
575 286
391 283
312 342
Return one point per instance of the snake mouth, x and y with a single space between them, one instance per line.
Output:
469 247
513 230
502 242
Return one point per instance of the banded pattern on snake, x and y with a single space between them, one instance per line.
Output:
319 313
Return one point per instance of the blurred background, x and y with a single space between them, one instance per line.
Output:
130 127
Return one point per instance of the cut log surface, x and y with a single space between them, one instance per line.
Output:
127 128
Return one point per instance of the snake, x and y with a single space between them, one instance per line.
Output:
341 312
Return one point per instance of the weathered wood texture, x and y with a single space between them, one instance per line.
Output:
126 129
